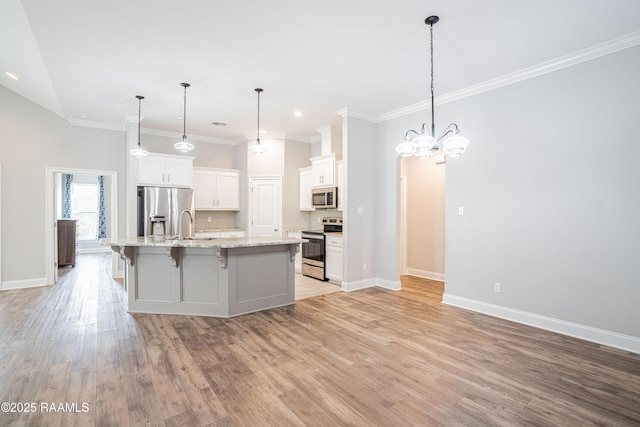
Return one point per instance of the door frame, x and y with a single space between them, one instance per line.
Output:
50 238
252 180
403 224
0 226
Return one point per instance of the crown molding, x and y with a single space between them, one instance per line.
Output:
594 52
94 124
344 112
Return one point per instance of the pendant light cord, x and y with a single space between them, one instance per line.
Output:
184 115
258 129
139 109
140 98
433 120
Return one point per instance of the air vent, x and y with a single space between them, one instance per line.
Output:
219 124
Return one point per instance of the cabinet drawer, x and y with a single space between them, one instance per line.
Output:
333 241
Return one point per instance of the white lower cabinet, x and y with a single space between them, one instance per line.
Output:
298 260
334 263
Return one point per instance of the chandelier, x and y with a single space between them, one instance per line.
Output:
424 143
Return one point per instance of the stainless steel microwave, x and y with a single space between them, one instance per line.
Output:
324 198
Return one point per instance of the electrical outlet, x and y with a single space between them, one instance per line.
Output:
461 210
319 220
496 287
208 219
364 265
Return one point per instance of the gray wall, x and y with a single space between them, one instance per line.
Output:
359 143
32 139
551 190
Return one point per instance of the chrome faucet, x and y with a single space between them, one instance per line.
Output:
180 237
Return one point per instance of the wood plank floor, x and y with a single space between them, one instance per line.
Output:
365 358
307 287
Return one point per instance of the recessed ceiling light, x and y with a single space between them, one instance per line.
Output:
219 124
298 113
178 117
84 116
13 76
263 131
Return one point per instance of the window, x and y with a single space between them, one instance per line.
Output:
85 210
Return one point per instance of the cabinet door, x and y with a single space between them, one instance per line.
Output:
306 184
204 183
228 191
323 172
334 263
151 171
179 173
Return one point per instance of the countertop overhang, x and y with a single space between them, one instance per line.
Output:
223 243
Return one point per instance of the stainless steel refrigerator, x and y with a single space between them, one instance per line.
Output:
160 208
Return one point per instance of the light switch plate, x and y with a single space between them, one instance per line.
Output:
461 210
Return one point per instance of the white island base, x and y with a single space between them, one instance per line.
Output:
208 280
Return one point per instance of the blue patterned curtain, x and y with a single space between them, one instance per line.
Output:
66 202
102 222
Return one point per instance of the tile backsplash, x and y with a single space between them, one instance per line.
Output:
219 219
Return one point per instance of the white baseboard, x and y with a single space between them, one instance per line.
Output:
368 283
388 284
358 284
25 283
425 274
588 333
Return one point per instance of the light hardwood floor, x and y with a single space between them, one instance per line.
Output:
307 287
365 358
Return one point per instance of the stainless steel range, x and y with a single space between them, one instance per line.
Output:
313 251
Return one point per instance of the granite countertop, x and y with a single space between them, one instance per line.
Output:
224 243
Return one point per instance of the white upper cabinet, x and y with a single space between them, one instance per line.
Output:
323 169
306 184
216 189
165 170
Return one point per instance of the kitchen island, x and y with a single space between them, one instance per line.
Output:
207 277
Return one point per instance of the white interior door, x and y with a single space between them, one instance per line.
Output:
265 207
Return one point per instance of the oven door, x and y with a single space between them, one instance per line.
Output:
313 256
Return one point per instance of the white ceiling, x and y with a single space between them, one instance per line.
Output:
78 57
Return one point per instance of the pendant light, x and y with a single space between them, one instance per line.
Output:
258 148
184 145
139 151
424 143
